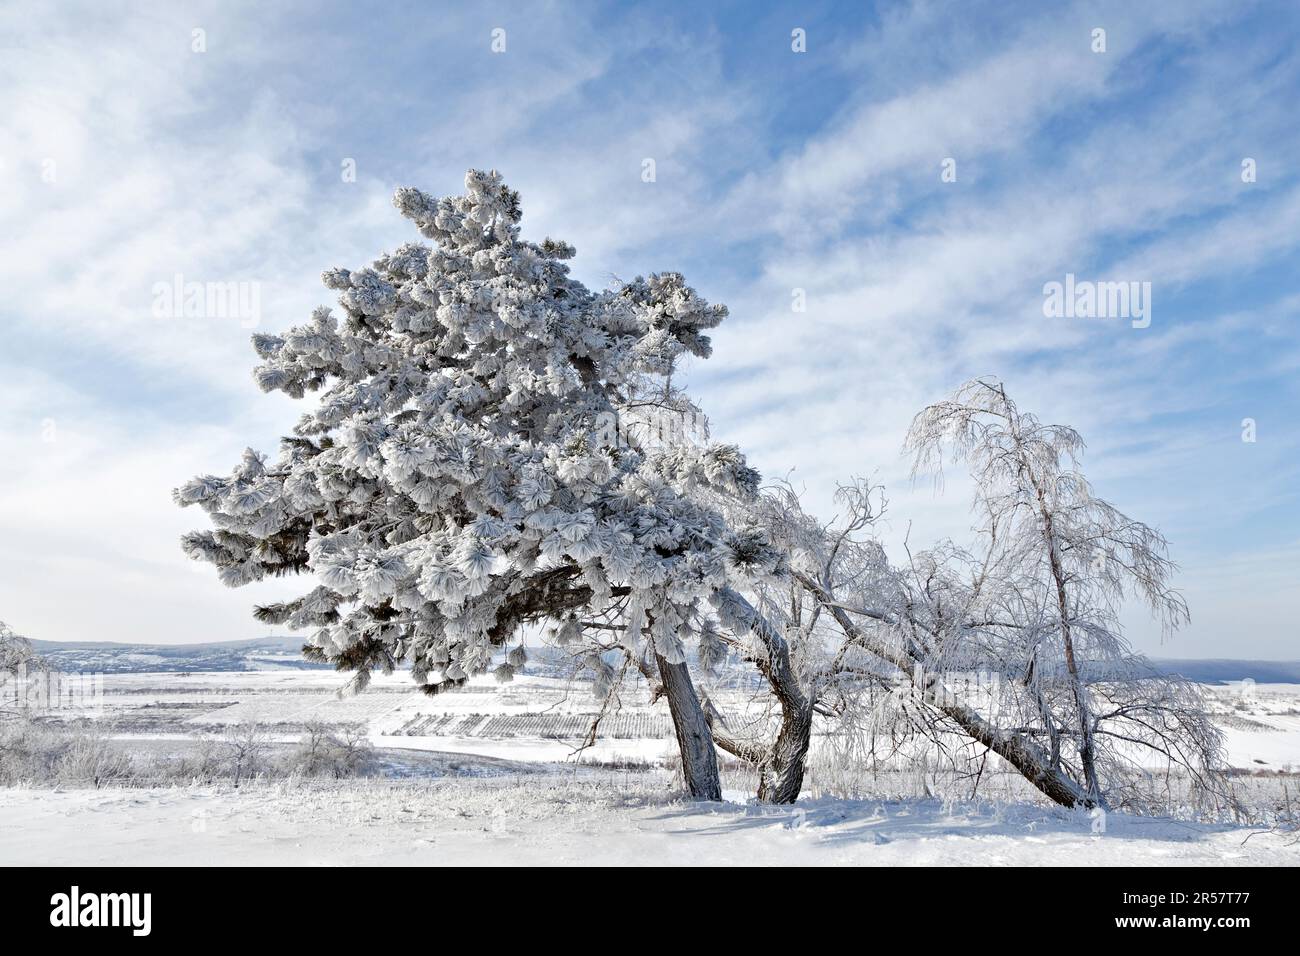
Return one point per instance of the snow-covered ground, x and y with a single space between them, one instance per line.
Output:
557 821
1261 725
488 775
542 718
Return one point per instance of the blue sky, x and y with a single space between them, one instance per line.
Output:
129 158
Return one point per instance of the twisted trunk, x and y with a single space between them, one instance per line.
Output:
781 775
781 766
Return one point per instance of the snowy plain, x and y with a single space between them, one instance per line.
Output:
462 822
489 775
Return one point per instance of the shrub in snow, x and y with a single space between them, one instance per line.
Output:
325 751
33 753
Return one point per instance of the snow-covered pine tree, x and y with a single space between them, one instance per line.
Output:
463 472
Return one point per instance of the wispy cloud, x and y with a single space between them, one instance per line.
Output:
775 172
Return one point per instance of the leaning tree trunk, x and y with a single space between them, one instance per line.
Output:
1016 749
694 739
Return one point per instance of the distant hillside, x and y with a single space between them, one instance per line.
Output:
258 654
1219 671
285 652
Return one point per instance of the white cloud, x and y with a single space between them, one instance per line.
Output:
224 166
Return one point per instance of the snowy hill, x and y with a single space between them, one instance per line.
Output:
1222 670
262 653
285 651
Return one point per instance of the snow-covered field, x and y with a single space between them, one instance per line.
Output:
493 774
540 718
557 821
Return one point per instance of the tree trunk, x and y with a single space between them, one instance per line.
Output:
781 767
694 739
781 778
1087 751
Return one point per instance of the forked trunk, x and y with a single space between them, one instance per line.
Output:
781 767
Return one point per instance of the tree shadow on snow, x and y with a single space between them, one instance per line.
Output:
835 822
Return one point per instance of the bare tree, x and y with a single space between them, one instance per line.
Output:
245 744
17 658
16 651
326 751
314 748
1032 609
1063 560
353 750
811 665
